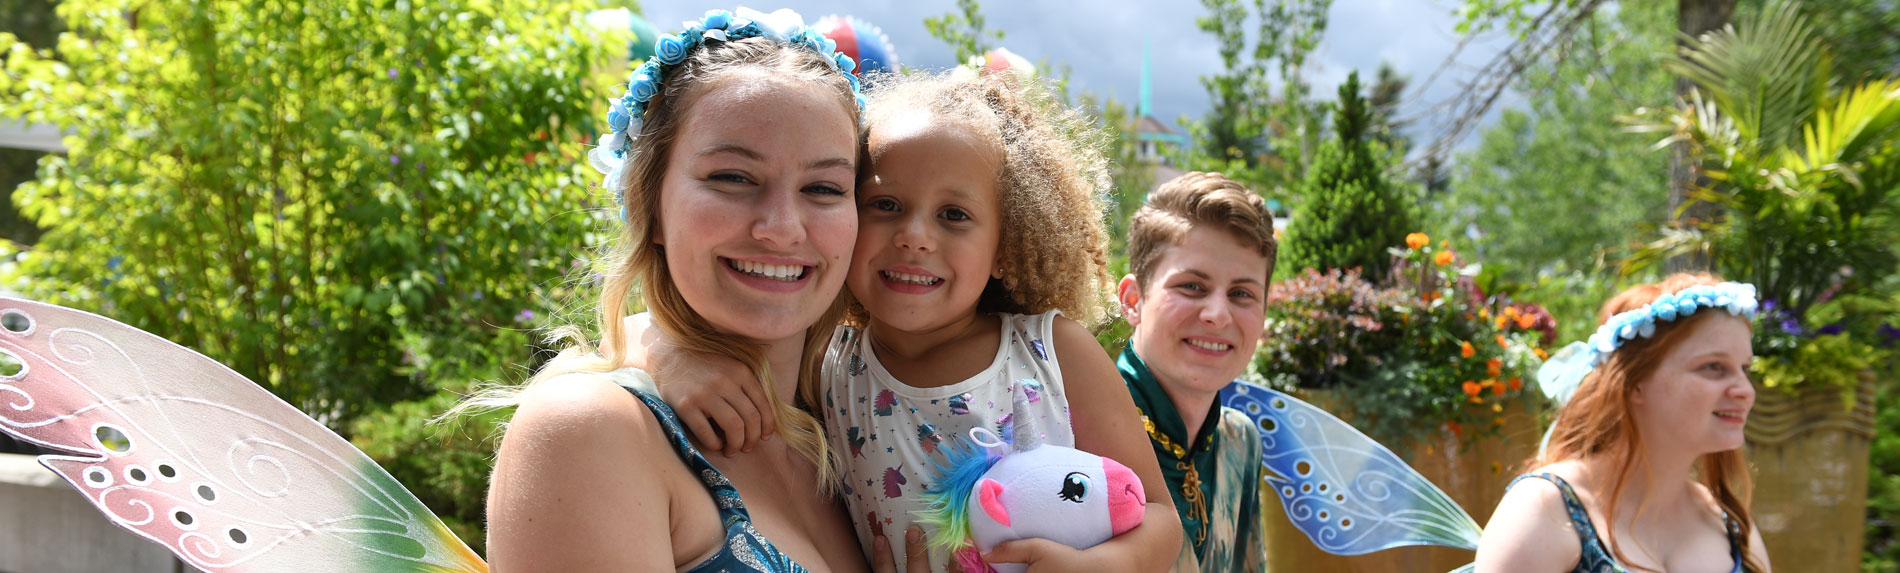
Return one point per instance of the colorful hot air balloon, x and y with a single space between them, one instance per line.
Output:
1001 59
997 60
864 42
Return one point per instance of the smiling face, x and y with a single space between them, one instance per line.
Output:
1199 318
929 223
1699 396
756 211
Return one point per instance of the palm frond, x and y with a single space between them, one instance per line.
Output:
1770 75
1861 121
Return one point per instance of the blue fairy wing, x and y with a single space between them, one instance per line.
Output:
187 453
1349 494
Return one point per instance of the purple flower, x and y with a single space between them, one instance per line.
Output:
1767 305
392 73
1829 330
525 316
394 160
1892 334
1792 326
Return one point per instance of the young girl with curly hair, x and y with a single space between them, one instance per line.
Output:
980 246
1644 468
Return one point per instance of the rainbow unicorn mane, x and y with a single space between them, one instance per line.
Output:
948 500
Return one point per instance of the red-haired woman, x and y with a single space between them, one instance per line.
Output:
1643 470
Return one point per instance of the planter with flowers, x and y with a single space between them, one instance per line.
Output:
1427 364
1811 430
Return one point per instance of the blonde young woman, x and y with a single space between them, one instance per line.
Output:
735 152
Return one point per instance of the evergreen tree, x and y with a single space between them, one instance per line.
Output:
1351 210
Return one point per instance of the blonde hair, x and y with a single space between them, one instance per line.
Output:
1051 185
637 260
1597 422
1197 199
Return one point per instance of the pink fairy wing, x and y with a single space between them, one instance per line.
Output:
213 467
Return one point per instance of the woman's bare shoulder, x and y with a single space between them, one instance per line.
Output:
583 402
580 452
1531 530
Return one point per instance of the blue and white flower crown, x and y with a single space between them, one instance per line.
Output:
1564 372
626 114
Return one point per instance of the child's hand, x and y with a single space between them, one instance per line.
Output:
716 397
916 555
1045 556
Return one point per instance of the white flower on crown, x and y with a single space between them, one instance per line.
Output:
778 25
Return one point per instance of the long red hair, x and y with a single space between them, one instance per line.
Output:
1597 422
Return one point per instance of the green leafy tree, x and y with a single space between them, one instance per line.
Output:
1254 133
35 23
1566 157
1808 175
1388 89
964 30
352 204
1351 211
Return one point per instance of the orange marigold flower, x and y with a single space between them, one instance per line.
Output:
1465 349
1526 321
1443 258
1516 384
1501 321
1417 241
1502 343
1510 311
1494 364
1472 388
1541 355
1484 313
1456 429
1477 400
1497 390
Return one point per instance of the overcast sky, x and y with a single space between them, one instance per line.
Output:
1103 43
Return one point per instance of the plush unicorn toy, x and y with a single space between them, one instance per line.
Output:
1031 489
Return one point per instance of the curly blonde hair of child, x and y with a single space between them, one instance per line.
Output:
1052 185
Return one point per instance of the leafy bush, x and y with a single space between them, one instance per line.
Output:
1350 209
362 206
311 193
1325 328
446 465
1430 350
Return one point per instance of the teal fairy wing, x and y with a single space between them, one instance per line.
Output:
188 454
1349 494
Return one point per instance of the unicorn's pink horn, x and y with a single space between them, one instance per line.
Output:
1127 502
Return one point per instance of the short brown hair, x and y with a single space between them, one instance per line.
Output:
1193 200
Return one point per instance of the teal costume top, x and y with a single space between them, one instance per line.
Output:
1213 475
1596 556
745 549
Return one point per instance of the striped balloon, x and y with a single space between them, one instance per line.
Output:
865 43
